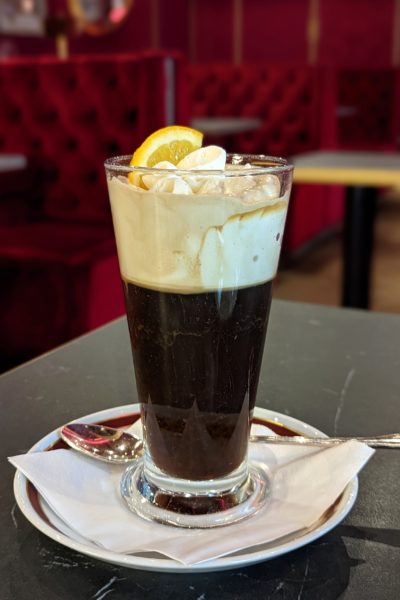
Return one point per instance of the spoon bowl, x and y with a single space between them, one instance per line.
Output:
102 442
118 446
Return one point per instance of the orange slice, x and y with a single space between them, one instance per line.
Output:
169 143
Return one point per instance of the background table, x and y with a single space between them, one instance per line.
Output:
363 173
334 368
221 126
12 162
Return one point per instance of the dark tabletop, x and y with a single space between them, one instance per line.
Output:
334 368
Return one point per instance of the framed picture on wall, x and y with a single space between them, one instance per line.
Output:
23 17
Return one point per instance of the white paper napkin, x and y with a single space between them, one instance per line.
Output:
84 493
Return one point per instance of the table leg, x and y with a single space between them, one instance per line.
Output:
358 243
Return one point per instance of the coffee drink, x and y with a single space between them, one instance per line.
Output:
197 261
195 384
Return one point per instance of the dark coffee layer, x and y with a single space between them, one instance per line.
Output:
197 360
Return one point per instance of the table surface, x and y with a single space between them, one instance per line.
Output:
373 169
12 162
225 125
334 368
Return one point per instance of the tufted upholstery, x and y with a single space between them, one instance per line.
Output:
367 103
284 98
68 116
57 253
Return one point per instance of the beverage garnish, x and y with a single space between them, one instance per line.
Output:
167 144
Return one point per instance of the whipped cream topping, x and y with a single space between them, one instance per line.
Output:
209 158
198 232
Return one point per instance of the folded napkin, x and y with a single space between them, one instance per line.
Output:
84 494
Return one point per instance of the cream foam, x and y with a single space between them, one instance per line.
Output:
225 234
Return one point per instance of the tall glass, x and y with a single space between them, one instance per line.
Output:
198 253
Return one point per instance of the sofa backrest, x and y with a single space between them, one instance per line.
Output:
283 97
365 107
68 116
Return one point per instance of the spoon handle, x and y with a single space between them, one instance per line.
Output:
391 440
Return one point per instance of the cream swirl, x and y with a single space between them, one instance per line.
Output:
193 233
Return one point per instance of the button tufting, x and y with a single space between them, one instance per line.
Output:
14 115
91 176
71 144
131 116
112 82
112 147
51 174
33 85
90 115
73 202
48 116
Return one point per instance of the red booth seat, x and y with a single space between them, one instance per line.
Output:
68 116
284 98
361 108
57 254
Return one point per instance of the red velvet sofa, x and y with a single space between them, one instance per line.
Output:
361 108
284 98
57 257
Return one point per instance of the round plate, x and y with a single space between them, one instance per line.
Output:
42 517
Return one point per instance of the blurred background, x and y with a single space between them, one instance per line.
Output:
81 80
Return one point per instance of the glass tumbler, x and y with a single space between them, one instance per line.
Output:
198 252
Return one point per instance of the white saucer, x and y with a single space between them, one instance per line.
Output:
43 518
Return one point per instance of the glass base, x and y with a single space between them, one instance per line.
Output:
194 510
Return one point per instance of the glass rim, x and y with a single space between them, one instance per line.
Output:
261 164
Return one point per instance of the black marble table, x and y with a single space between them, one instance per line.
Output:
337 369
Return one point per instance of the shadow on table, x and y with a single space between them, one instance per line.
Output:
319 570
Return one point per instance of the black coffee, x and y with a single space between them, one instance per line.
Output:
197 361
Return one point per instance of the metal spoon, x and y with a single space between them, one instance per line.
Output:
390 440
101 442
117 446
